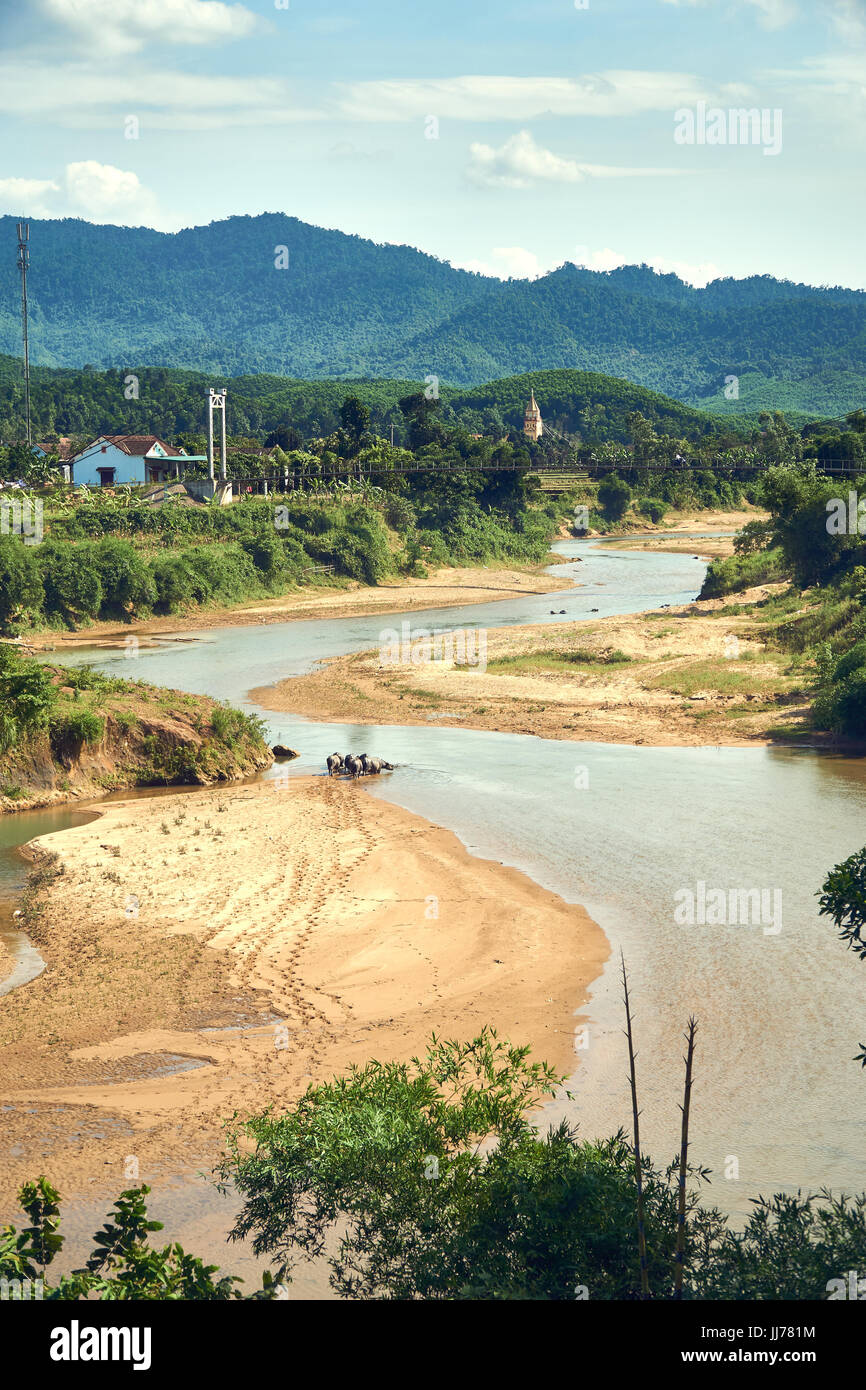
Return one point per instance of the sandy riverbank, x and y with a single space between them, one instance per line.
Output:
214 951
686 676
442 588
686 533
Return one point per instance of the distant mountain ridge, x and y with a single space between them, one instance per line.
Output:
213 299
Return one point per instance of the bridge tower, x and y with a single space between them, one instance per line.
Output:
216 400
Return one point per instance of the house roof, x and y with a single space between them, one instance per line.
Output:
61 447
138 445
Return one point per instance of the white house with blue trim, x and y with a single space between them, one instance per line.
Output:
117 459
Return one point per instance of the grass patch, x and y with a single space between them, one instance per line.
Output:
557 661
723 677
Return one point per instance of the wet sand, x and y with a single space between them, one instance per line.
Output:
215 952
688 676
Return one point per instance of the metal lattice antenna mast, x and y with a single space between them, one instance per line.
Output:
23 264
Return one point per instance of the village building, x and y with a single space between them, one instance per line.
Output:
115 459
60 448
533 425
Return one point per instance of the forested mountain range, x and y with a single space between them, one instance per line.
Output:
170 402
271 294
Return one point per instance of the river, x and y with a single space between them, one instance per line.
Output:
778 1102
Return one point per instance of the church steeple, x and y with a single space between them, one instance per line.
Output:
533 425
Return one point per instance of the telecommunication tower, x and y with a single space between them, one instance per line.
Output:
23 266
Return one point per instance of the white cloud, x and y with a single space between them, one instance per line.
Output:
102 193
171 100
849 19
97 192
521 162
609 93
29 197
516 261
161 98
125 26
694 273
507 262
831 91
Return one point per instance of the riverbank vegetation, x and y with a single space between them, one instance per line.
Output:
123 1265
123 557
843 900
815 537
71 731
442 1188
426 1180
446 496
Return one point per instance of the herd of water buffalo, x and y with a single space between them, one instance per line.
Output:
360 765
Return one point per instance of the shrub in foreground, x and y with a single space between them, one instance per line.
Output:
439 1187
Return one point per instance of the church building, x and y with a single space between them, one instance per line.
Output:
533 425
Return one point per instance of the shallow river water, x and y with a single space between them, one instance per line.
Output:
778 1101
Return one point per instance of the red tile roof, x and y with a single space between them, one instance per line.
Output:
138 445
62 447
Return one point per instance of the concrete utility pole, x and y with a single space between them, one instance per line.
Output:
23 264
216 400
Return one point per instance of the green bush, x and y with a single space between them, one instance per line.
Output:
614 495
89 678
73 589
22 592
123 1264
834 618
232 726
205 574
176 583
842 708
388 1158
850 662
77 727
127 583
399 513
271 557
742 572
27 697
652 507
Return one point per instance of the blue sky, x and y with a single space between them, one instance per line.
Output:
503 136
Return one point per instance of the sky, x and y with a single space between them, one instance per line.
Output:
504 137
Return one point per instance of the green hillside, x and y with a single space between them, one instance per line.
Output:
211 299
170 402
587 404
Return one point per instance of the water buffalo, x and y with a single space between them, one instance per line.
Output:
335 764
353 766
377 765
